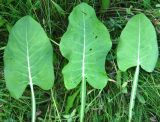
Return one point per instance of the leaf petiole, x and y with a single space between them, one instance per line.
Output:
83 99
33 103
133 92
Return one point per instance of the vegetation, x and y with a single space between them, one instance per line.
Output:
59 104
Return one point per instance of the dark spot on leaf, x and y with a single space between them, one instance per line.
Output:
84 13
96 37
90 49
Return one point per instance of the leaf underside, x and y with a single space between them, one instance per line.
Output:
85 44
28 57
138 44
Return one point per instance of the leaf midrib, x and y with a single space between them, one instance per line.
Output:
83 85
84 49
139 43
30 78
28 58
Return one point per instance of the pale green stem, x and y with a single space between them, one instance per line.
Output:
83 100
54 42
33 104
133 93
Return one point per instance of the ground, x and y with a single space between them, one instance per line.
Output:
109 105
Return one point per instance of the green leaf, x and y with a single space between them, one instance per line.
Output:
28 58
137 47
85 44
70 101
138 44
141 98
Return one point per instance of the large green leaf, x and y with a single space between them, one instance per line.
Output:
138 44
28 57
85 44
137 47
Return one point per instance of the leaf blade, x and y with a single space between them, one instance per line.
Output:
90 44
28 48
138 30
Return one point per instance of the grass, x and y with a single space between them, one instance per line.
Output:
108 105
